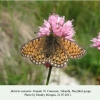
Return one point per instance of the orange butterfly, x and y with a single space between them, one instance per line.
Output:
51 49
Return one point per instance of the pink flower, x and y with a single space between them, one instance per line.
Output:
96 42
57 25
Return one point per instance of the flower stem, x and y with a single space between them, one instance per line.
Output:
50 68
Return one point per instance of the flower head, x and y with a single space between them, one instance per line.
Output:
96 42
57 26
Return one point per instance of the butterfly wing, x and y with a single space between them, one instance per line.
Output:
59 57
34 50
72 49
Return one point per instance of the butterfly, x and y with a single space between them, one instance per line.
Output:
51 49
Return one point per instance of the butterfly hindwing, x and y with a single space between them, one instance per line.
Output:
59 57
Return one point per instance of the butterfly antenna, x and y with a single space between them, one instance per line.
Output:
35 32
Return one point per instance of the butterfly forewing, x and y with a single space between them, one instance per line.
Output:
72 49
34 49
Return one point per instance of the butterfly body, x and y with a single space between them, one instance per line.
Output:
51 49
49 46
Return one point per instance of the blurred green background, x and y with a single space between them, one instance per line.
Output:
18 22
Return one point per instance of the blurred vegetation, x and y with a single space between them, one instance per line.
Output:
15 69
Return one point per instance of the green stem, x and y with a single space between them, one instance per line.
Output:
50 68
